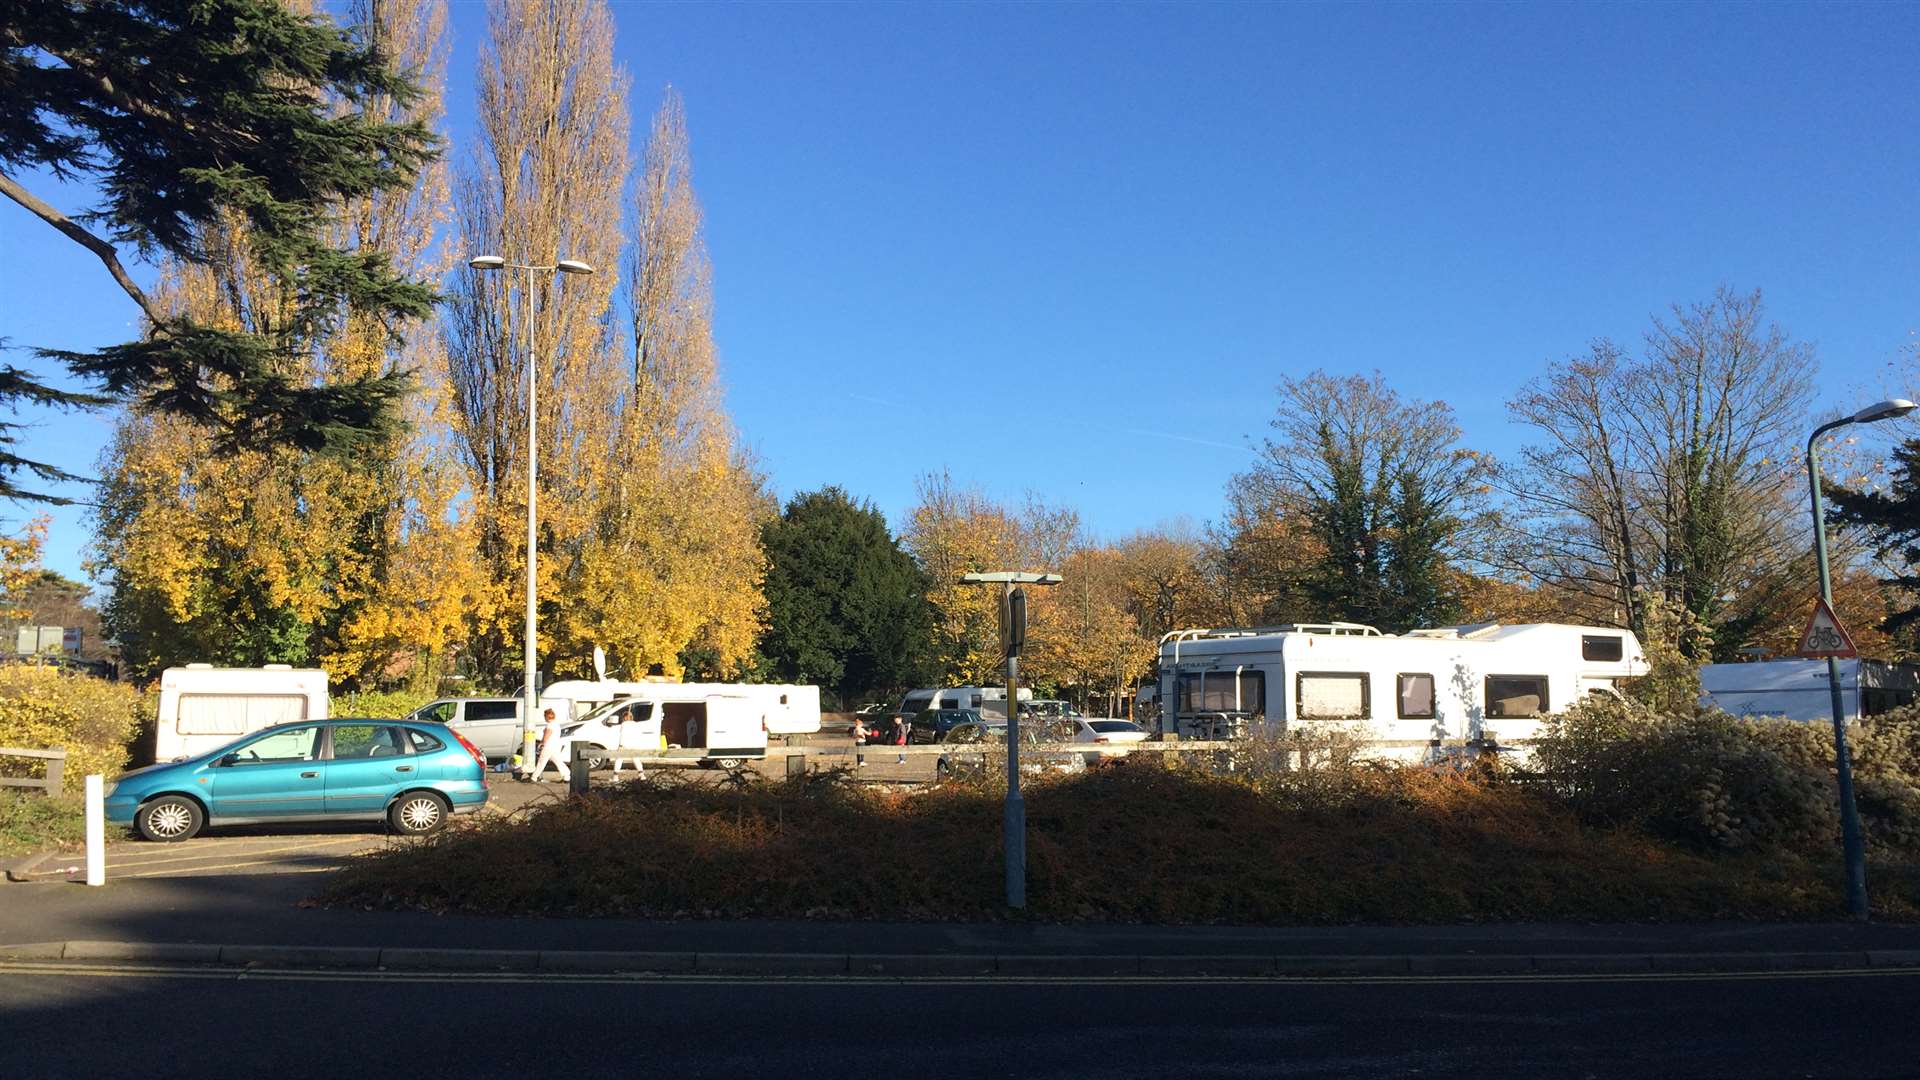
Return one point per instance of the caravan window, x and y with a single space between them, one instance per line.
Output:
950 701
1516 695
1216 691
236 714
1414 697
1606 648
1333 695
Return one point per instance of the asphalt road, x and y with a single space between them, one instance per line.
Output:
116 1021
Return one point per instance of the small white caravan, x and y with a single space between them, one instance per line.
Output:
203 707
987 700
1799 690
1490 683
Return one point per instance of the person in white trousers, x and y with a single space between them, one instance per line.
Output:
549 748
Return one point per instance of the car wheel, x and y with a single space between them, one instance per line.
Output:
729 763
170 819
597 758
418 813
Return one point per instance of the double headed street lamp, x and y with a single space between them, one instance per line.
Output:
564 266
1850 839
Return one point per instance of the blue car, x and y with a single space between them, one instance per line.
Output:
414 774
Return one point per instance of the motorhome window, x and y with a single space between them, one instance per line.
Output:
975 702
950 701
1414 696
1333 695
236 714
1223 691
1607 648
1875 700
492 710
1516 696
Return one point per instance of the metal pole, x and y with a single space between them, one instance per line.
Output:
1851 842
1014 823
96 815
532 704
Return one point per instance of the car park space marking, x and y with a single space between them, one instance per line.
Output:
55 968
246 852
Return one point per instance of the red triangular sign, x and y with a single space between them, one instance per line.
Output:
1825 637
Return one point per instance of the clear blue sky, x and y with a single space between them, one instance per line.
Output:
1070 249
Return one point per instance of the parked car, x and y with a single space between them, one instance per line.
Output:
416 775
932 725
492 724
972 741
1112 736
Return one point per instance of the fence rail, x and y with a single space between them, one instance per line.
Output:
50 783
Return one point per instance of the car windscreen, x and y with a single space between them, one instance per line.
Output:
1114 725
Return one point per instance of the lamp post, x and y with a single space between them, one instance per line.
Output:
532 702
1013 818
1851 843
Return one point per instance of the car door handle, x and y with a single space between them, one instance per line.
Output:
403 768
308 775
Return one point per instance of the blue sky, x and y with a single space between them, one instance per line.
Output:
1070 249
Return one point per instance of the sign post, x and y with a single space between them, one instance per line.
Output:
1013 639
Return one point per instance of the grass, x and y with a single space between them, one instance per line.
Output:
30 823
1136 843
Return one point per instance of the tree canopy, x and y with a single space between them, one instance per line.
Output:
202 117
1891 520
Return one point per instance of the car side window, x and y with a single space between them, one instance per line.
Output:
437 713
424 743
491 710
294 744
351 741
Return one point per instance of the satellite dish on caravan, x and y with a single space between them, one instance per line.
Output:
599 663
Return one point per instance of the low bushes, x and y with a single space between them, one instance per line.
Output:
44 708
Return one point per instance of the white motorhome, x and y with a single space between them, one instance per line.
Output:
1488 683
730 722
987 700
203 707
1799 689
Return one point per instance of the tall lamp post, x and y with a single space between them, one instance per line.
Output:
564 266
1013 635
1851 842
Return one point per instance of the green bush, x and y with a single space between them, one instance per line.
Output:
43 708
379 704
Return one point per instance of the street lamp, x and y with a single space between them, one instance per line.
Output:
532 702
1850 840
1013 819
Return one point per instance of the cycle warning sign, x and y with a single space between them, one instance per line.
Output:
1825 637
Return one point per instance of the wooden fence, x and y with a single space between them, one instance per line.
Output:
50 783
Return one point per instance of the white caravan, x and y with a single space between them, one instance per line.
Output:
989 701
730 722
1489 683
1799 690
203 707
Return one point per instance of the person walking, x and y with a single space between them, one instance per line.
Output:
549 748
900 725
859 740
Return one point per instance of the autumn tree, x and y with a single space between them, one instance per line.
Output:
846 605
243 119
1390 500
544 183
1670 474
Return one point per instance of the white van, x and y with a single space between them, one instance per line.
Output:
491 724
203 707
729 722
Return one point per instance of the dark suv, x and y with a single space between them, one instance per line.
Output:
932 725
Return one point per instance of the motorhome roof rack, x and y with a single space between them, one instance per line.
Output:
1335 628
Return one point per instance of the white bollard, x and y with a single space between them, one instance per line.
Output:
96 830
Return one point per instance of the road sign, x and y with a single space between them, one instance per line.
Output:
1824 637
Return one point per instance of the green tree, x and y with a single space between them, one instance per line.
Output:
1390 502
187 116
1891 521
846 606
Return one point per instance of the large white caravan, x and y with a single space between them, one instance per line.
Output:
1799 689
1489 683
203 707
